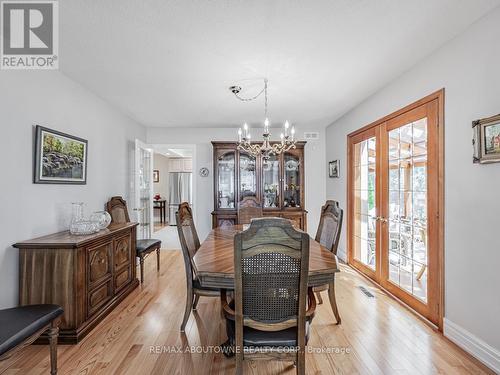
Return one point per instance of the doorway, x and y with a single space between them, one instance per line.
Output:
395 204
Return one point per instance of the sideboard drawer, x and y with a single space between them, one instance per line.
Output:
99 297
122 278
99 264
122 252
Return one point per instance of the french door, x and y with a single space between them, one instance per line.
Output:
395 200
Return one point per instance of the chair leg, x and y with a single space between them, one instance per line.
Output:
421 272
301 362
333 302
53 333
141 261
196 299
189 306
318 296
158 259
239 362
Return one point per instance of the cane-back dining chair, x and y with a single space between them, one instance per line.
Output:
248 209
190 244
328 235
117 208
273 306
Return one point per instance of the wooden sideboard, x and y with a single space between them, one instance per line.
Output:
86 275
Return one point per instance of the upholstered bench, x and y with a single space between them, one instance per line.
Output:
20 326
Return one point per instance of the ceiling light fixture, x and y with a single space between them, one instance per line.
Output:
266 148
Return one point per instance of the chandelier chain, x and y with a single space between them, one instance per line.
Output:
264 90
266 148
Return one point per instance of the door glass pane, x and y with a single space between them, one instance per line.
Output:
364 202
408 208
225 166
270 181
248 178
292 181
144 209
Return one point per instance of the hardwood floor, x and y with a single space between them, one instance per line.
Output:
377 336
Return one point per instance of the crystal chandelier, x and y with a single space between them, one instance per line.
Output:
266 148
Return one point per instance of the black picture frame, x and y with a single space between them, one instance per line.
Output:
333 169
41 174
156 175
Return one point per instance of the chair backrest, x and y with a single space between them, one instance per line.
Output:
330 226
271 264
188 236
248 209
117 208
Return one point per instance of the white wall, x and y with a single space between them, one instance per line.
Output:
203 200
160 163
29 210
468 68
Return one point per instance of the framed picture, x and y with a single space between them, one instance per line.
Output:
59 158
486 141
333 168
156 175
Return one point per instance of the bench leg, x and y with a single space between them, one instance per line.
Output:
141 261
53 333
158 259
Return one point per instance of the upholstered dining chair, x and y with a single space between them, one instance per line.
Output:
249 208
268 317
117 208
328 235
190 244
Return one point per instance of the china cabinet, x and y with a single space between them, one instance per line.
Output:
277 183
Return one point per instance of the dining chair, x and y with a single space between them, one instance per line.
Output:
249 208
117 208
190 244
328 235
268 316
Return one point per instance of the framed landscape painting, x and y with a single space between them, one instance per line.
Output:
486 140
59 158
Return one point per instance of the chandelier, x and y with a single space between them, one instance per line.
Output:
266 148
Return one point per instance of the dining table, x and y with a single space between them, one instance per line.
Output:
213 263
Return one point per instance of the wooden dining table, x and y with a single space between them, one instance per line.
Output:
213 263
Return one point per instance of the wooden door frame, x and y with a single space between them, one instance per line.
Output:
437 96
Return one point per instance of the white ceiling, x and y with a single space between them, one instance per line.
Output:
172 152
170 63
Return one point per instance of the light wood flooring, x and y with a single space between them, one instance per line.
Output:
377 336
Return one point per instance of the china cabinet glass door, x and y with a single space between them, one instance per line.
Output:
271 182
292 181
248 176
226 182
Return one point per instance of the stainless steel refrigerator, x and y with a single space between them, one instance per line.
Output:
179 190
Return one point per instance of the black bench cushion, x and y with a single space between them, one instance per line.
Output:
147 245
19 323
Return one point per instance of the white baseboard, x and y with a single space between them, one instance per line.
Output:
473 345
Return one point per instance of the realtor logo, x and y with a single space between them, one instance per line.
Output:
29 35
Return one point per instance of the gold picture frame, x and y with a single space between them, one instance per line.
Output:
486 140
